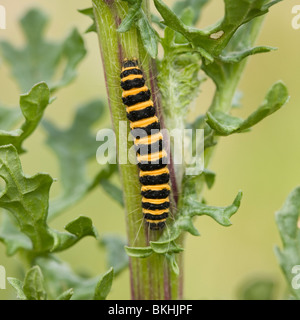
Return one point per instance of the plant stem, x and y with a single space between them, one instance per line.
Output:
151 278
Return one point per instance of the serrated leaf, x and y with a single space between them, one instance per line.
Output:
18 286
32 105
82 227
142 252
74 147
226 66
78 229
115 252
39 60
221 215
225 124
104 285
287 220
27 199
33 286
214 39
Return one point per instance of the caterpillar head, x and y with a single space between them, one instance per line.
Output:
130 63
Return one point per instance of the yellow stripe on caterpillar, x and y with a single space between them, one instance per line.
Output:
132 77
143 123
152 157
157 187
149 139
130 68
140 106
134 91
154 172
155 212
155 221
156 201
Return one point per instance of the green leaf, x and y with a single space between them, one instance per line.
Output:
90 13
104 285
27 199
131 17
67 295
186 224
221 215
78 229
236 57
59 276
32 105
148 35
211 41
162 247
287 220
137 18
196 5
18 286
40 60
227 66
116 255
225 124
33 286
136 252
82 227
74 148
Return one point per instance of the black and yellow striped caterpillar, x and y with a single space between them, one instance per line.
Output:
151 156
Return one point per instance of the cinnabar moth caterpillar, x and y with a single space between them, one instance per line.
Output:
151 156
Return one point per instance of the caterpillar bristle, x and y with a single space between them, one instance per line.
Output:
152 158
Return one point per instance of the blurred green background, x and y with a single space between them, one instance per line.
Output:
263 163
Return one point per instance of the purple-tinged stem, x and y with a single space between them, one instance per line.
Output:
150 278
